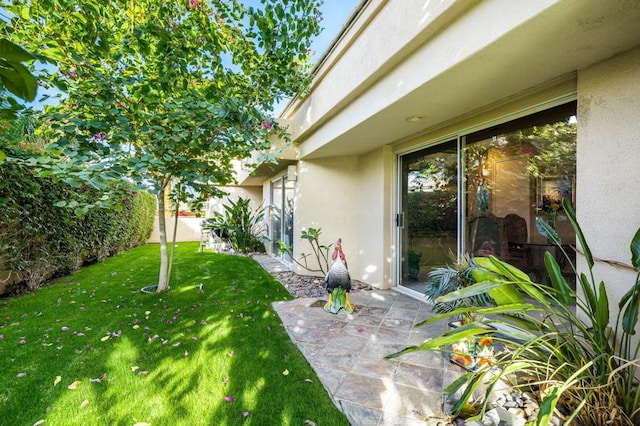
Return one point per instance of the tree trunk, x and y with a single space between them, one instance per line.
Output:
162 228
175 232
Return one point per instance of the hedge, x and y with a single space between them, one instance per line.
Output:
40 241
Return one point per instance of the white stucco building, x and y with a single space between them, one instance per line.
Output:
420 105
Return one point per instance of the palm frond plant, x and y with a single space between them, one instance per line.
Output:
469 352
447 279
562 345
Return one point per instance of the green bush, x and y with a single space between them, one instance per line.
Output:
243 226
40 241
566 347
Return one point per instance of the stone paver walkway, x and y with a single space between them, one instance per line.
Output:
347 352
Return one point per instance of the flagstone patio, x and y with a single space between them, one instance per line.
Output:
347 352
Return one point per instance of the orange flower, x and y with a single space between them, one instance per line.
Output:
485 362
486 342
463 360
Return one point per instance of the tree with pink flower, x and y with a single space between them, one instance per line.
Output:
165 94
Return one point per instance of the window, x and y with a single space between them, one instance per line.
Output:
281 213
512 174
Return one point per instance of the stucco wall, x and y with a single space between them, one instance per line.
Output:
328 197
188 229
375 248
253 193
608 179
350 198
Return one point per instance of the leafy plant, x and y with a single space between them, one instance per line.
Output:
320 251
575 357
243 226
161 93
42 239
446 280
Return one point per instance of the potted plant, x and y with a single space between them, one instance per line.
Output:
413 261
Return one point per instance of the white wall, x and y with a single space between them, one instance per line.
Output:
188 229
376 225
328 197
608 182
350 198
253 193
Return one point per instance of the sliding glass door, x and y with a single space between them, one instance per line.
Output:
281 213
429 212
511 175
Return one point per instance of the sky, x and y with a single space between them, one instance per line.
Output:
334 15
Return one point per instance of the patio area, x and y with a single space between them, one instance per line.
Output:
347 352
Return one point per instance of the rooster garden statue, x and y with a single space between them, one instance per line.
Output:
338 283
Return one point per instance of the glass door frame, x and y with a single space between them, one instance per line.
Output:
281 205
400 216
562 102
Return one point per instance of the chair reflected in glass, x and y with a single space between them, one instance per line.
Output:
506 238
518 251
486 236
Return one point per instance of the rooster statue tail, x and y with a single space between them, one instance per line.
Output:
338 283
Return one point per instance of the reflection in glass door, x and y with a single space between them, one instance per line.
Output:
429 212
275 214
281 213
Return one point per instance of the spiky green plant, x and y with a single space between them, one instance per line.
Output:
444 280
243 225
563 345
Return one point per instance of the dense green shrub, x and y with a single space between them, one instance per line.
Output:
41 241
431 212
243 226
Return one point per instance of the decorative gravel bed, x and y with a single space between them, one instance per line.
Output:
305 286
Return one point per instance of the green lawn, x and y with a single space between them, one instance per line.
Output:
91 349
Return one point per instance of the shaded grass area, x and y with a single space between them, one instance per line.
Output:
216 357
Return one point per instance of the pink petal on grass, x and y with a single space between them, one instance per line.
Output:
228 398
232 353
245 414
64 328
22 341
